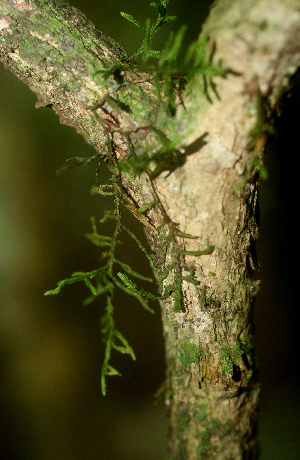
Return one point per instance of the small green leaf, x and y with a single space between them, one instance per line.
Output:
131 19
129 291
100 290
99 240
112 371
131 285
163 3
147 43
130 233
90 286
126 348
155 54
76 276
170 18
172 47
108 215
107 369
61 284
132 272
158 6
146 207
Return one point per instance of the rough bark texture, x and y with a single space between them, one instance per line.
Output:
211 389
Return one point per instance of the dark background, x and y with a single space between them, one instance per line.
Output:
51 406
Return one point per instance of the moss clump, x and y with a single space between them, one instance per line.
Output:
189 353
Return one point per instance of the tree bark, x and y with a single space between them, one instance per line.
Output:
211 390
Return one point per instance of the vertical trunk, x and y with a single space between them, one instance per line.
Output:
211 388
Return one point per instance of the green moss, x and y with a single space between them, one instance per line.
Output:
226 427
263 25
202 414
189 353
247 347
183 421
206 445
227 359
172 271
207 301
212 427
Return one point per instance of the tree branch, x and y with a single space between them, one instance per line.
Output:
58 53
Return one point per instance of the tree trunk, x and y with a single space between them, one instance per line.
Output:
203 226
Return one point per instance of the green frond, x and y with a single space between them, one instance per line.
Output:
131 19
160 7
90 286
172 47
111 371
77 161
125 348
99 240
163 18
140 245
138 296
76 277
132 272
105 282
131 285
108 214
150 30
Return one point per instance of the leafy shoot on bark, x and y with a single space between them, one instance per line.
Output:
165 122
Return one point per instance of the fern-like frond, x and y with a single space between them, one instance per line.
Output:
113 340
105 282
150 29
125 348
132 272
138 295
131 285
140 245
130 18
76 277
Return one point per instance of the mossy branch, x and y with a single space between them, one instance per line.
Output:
41 43
104 91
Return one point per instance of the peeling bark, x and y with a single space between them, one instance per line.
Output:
211 390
